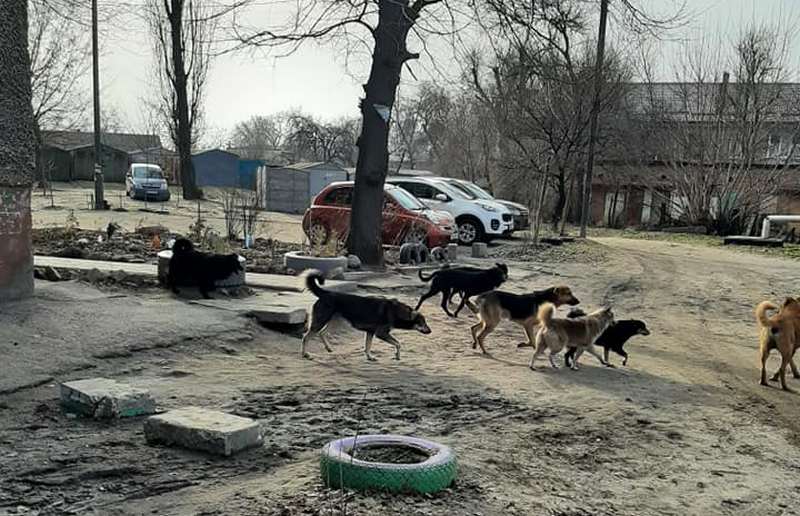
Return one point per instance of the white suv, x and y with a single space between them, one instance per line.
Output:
477 220
519 211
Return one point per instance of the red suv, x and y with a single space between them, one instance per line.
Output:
405 218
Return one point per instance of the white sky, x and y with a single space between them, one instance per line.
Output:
316 80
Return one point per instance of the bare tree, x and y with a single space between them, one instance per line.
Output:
58 47
255 137
59 57
540 91
726 139
433 105
389 22
407 140
182 34
312 140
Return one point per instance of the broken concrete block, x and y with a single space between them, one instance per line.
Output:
353 262
452 252
206 430
103 398
480 250
280 315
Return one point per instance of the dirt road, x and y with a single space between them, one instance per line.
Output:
684 429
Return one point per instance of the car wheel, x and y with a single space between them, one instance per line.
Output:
416 235
470 231
317 234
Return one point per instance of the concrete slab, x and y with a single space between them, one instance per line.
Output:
206 430
452 252
754 241
480 250
104 398
265 281
293 283
267 307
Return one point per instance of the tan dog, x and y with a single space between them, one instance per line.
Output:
556 334
782 332
497 305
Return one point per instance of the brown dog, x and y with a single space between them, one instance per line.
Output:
556 334
522 309
780 331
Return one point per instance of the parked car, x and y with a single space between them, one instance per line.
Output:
477 220
405 218
519 212
146 181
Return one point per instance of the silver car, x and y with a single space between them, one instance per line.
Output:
146 181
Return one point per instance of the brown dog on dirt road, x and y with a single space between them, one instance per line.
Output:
556 334
522 309
781 332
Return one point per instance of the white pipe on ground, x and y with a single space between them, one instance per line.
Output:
765 226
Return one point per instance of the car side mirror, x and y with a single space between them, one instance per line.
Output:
441 197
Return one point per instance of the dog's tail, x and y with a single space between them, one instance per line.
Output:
761 314
545 314
423 278
314 279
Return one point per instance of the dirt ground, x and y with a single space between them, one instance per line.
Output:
683 429
175 214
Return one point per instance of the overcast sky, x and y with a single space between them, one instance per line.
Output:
316 79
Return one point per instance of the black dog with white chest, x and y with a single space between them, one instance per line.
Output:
375 316
467 281
191 268
613 339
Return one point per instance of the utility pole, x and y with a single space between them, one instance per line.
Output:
586 198
99 201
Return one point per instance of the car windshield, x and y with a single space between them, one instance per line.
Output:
406 200
453 192
147 173
477 191
462 189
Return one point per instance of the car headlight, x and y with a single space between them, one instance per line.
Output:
487 207
164 185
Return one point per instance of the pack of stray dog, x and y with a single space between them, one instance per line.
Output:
189 267
534 311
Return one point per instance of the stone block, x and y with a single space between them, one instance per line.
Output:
205 430
452 252
280 315
480 250
103 398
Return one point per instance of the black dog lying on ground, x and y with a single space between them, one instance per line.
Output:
613 339
376 316
191 268
468 281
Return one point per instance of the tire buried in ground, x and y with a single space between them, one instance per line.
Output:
436 469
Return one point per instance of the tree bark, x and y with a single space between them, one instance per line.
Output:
395 19
586 198
183 125
17 153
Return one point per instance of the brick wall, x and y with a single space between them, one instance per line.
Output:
16 258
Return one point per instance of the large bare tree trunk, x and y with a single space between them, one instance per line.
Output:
17 153
183 126
394 22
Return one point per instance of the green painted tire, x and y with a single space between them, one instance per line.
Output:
340 469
